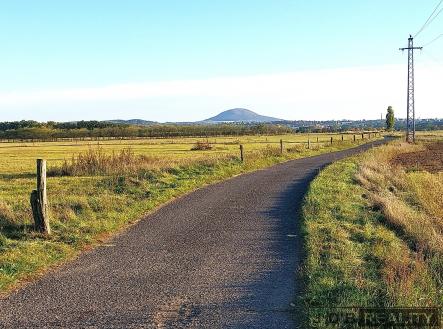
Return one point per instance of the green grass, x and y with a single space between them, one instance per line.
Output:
360 235
85 210
342 234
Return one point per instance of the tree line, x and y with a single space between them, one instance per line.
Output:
90 125
32 130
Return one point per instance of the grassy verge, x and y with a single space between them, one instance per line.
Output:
373 233
87 206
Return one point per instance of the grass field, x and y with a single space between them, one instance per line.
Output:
373 229
429 135
20 157
85 209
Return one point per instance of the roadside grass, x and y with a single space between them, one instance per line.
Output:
374 233
95 192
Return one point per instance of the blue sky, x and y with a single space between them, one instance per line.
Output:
95 59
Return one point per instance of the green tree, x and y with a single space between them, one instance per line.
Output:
390 119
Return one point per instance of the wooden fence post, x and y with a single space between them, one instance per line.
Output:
342 137
281 146
354 138
363 136
317 139
309 144
241 153
331 140
39 200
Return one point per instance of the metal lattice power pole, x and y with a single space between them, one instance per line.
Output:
410 107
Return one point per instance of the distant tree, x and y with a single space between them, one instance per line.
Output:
390 119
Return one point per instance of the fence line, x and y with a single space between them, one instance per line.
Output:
123 138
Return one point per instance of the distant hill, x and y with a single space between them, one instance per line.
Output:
240 115
137 122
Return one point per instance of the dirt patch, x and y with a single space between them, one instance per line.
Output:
430 159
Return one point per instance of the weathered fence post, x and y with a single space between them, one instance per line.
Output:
241 153
342 138
39 200
309 144
354 138
331 140
317 139
363 136
369 136
281 146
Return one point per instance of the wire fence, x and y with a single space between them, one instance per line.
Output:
193 139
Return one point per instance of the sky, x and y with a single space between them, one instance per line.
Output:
189 60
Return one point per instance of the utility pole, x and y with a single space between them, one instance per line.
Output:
410 107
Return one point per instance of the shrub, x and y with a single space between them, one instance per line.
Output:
201 146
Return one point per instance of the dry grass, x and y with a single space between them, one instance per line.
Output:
412 206
6 214
296 148
410 202
270 151
96 162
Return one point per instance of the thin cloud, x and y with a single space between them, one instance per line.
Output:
330 93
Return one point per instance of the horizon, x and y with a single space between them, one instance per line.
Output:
124 121
175 62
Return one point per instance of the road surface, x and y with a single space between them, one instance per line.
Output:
224 256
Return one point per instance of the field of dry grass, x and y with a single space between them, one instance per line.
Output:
20 157
374 229
411 202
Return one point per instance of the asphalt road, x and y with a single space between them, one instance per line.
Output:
224 256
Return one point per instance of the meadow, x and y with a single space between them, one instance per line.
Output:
373 228
20 157
112 184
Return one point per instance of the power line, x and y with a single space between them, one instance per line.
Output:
439 12
433 40
430 18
